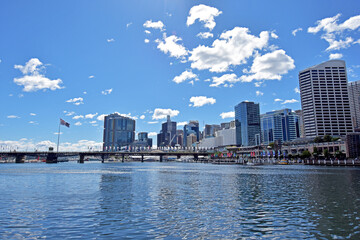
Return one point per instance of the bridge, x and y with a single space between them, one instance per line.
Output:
52 157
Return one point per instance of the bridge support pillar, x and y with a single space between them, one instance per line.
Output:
142 158
20 158
196 157
102 158
161 158
178 156
51 157
123 158
81 159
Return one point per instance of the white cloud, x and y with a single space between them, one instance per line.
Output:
57 133
147 32
335 56
142 117
146 40
32 114
290 101
160 113
273 35
33 122
170 45
101 117
332 29
78 124
76 101
91 76
106 91
227 80
297 90
91 116
278 100
186 75
182 123
205 14
258 93
78 117
156 25
233 48
154 122
200 101
296 30
33 80
84 92
128 24
13 116
152 134
269 66
110 40
227 115
258 84
69 113
205 35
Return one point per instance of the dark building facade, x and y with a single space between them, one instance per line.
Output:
167 135
247 124
191 128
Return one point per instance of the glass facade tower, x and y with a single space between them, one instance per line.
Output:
247 123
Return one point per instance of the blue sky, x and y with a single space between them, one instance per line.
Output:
195 60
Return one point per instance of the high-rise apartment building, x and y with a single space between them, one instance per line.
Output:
325 99
354 97
247 123
119 131
281 125
167 135
191 128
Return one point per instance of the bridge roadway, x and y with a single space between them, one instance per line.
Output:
52 157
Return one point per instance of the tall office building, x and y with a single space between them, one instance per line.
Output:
119 131
281 125
247 123
325 99
210 130
167 135
191 128
301 123
354 97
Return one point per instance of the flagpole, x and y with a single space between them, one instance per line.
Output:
58 138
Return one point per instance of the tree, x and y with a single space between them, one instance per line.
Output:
290 156
305 154
315 152
318 139
326 153
272 145
327 138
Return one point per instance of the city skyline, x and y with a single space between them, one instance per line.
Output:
164 60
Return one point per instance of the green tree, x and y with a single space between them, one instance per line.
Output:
326 153
305 154
327 138
318 139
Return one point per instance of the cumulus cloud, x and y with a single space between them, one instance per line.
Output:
278 100
269 66
76 101
204 14
186 75
258 93
78 124
90 115
156 25
13 116
205 35
296 30
227 115
106 91
91 76
33 80
226 80
200 101
233 48
335 56
332 30
153 122
142 117
110 40
152 134
160 113
128 24
69 113
181 123
290 101
101 117
147 31
170 45
32 114
146 40
296 90
78 117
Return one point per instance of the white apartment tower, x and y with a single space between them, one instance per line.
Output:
325 99
354 95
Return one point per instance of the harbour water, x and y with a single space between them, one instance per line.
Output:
178 200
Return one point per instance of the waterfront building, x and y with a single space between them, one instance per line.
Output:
119 131
179 137
191 128
353 145
191 139
354 98
167 135
325 99
210 130
247 123
222 138
143 140
281 125
227 125
301 123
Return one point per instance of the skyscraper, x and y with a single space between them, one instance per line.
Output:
191 128
210 130
119 131
325 99
354 97
247 123
167 135
281 125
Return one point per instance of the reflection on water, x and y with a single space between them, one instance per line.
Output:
178 200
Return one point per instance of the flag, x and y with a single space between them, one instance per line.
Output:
62 122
